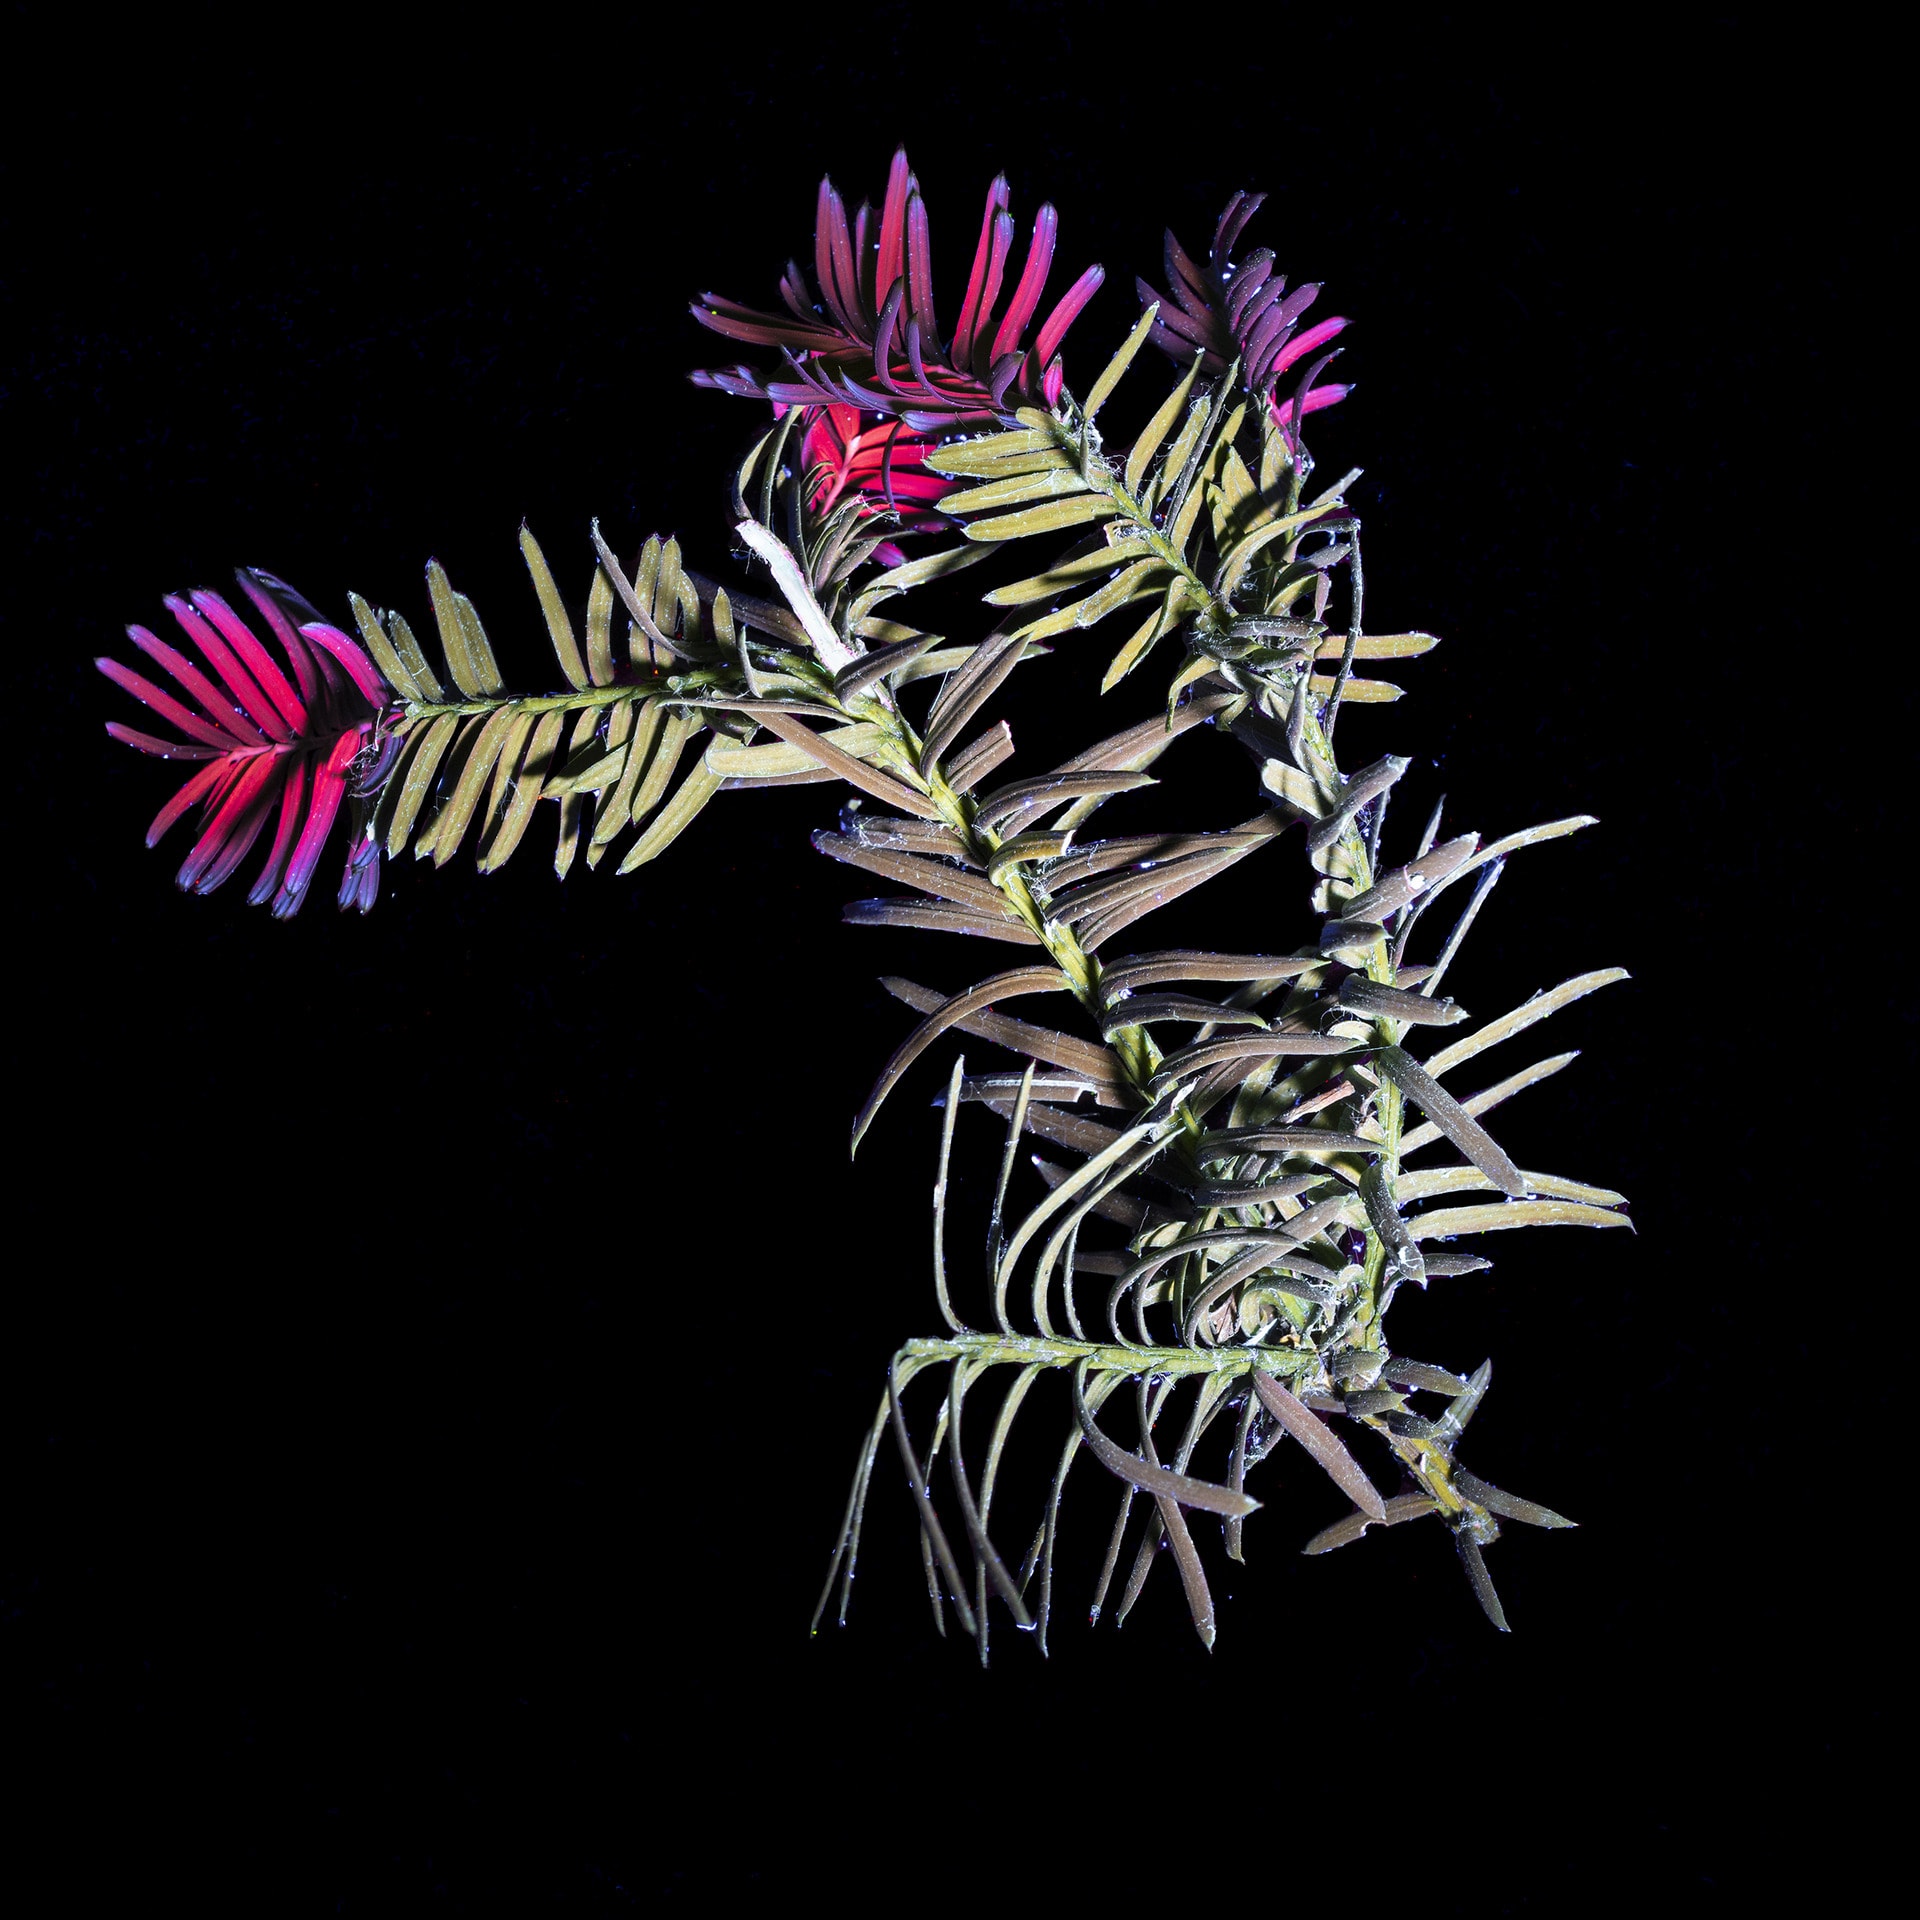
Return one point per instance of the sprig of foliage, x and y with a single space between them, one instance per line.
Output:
1223 1230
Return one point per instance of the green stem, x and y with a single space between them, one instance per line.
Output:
1213 614
959 812
1031 1350
573 701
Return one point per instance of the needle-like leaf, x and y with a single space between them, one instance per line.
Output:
1427 1133
1508 1505
1036 1043
1343 1533
1131 1468
1339 1465
1445 1222
1522 1017
951 1012
935 877
929 1520
1480 1580
995 1567
1009 809
855 772
1451 1118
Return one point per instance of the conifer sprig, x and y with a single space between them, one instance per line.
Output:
1227 1206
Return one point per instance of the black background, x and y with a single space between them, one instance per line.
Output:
435 1343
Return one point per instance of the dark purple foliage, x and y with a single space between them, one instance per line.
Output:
1241 310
